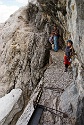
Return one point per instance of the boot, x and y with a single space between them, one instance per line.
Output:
65 69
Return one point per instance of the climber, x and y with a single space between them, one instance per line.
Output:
68 54
51 40
55 33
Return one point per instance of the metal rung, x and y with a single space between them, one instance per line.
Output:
54 111
54 89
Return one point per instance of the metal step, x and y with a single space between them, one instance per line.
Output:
36 116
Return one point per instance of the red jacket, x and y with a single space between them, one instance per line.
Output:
66 60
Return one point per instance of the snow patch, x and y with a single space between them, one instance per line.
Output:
8 101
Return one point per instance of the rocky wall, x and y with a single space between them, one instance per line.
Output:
75 19
75 24
24 49
24 53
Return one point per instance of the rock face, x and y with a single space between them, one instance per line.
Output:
55 83
75 23
69 102
75 19
24 51
55 11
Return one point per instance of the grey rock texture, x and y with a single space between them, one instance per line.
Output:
55 83
69 102
55 11
24 52
78 76
75 21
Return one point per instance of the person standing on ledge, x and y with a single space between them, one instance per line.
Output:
55 33
68 54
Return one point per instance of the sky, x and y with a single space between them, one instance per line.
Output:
8 7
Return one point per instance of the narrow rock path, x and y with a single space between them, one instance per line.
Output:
55 80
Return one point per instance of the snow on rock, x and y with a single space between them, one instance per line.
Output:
10 104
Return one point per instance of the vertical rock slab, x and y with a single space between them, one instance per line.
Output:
75 23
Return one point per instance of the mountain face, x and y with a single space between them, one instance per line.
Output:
24 53
20 42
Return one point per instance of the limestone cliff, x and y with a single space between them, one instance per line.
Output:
24 51
75 20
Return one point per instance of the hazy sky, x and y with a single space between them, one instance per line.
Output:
7 7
